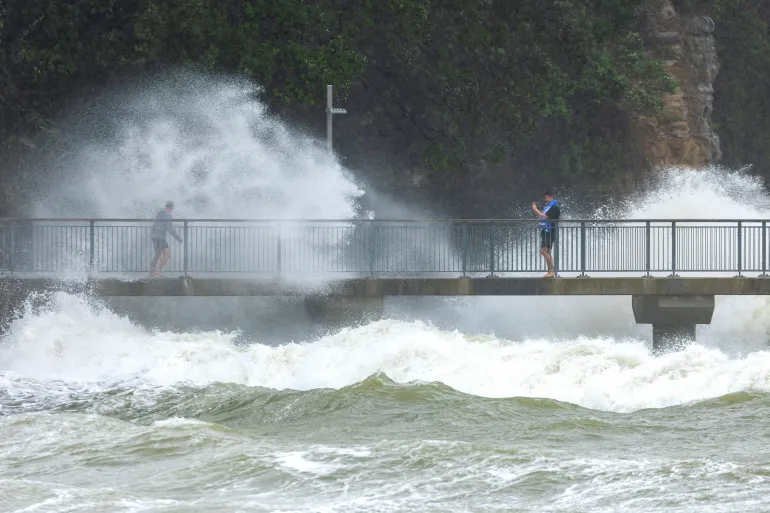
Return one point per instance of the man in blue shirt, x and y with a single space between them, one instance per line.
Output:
548 229
162 225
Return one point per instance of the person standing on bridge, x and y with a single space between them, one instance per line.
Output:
162 225
548 229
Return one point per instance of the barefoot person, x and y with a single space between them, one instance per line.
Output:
548 229
162 225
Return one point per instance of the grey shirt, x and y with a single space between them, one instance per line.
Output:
162 225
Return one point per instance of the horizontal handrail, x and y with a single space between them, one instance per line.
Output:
356 220
376 247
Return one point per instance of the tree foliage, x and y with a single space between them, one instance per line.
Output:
742 89
482 80
51 48
468 86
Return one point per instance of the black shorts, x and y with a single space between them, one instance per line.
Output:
159 244
547 239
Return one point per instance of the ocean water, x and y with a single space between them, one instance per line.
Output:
100 414
458 405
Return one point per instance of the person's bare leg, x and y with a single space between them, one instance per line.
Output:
154 263
548 262
163 260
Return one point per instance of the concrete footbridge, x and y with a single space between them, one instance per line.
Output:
672 269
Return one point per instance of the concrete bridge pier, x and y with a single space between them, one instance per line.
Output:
344 311
673 318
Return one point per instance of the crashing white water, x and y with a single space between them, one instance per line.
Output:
686 193
82 344
210 145
714 193
205 142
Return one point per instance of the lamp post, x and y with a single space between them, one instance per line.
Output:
330 111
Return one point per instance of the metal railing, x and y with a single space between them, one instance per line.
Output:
386 248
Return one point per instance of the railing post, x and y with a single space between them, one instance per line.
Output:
491 249
278 251
464 235
647 247
582 248
673 249
371 240
91 237
764 248
740 248
185 233
358 247
12 260
555 228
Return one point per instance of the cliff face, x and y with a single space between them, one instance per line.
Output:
682 134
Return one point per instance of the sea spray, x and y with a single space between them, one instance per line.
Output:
740 324
207 142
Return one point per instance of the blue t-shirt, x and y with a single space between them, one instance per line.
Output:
552 211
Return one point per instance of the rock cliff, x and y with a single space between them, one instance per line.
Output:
682 133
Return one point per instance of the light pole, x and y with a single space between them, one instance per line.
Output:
330 111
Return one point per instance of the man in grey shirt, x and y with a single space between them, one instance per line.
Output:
162 225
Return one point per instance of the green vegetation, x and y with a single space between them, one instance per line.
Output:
742 90
51 49
472 95
521 88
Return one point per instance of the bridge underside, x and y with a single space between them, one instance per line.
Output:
674 306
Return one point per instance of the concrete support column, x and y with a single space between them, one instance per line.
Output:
344 311
673 318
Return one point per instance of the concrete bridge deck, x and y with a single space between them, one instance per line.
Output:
403 286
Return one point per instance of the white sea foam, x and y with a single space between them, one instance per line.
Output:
78 343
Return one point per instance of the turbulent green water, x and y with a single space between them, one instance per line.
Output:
98 414
377 446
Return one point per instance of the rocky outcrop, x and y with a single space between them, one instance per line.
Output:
682 133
